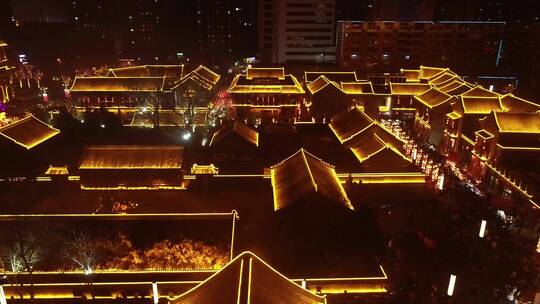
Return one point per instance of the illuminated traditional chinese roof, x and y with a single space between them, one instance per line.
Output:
278 73
365 145
455 87
204 169
53 170
429 72
320 83
201 75
169 71
132 157
444 78
433 98
411 75
3 43
459 90
347 124
357 87
28 132
248 279
364 136
265 80
337 77
454 115
408 88
301 175
480 105
361 87
479 91
517 122
511 103
238 128
373 141
484 134
119 84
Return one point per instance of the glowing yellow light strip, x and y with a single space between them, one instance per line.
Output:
225 215
330 73
274 188
240 256
241 175
519 148
176 167
404 109
479 133
521 99
535 205
105 283
384 277
506 179
385 178
308 169
396 150
266 106
235 217
482 158
422 122
411 174
351 289
249 281
451 135
114 188
470 141
350 137
250 71
362 159
326 83
240 282
342 190
431 106
281 275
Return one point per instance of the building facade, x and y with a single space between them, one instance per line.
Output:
303 31
266 95
384 46
160 94
225 29
265 30
5 86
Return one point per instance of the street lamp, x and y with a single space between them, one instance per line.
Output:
186 136
154 293
451 285
482 229
2 295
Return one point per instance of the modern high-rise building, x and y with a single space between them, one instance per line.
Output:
381 46
39 11
140 30
226 29
403 10
303 31
521 57
355 10
265 30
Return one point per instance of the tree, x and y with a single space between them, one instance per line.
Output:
22 252
81 251
185 254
